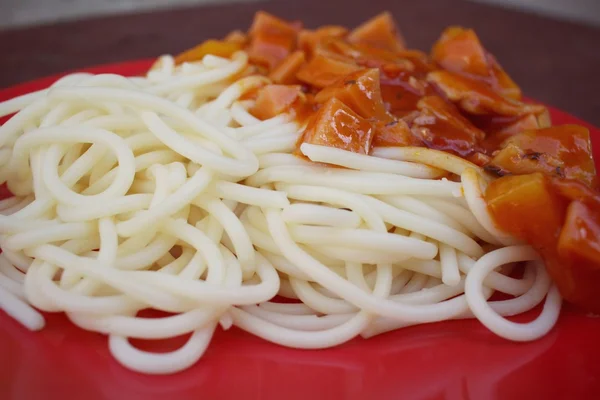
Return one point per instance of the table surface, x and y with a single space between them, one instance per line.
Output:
556 62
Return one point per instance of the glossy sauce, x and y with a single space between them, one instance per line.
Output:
401 91
355 89
559 151
441 126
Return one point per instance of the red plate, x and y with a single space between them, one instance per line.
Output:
449 360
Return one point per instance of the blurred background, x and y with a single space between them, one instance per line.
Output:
18 13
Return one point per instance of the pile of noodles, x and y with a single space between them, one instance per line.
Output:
164 192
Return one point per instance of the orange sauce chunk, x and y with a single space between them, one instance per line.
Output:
271 39
336 125
578 273
323 71
528 208
308 40
360 91
476 97
380 32
273 100
459 50
563 151
441 126
286 71
394 133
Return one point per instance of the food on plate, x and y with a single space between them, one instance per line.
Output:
306 185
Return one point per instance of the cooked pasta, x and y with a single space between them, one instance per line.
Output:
166 191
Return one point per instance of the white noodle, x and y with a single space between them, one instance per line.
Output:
165 192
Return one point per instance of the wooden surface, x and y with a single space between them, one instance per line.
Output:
554 61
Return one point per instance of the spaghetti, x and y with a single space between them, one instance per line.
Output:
166 191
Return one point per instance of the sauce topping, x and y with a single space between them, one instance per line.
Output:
356 89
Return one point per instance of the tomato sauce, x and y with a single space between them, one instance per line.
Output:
356 89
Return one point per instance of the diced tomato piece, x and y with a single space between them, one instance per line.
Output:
476 97
527 207
214 47
271 39
459 50
505 126
394 133
421 62
563 151
380 31
565 233
441 126
360 91
370 57
273 100
579 250
323 71
367 56
577 190
499 129
336 125
286 71
580 236
269 50
308 40
335 48
265 22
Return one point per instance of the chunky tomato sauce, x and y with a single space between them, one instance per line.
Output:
362 88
